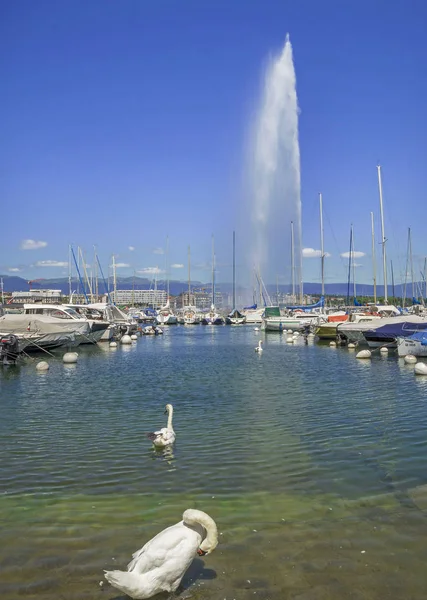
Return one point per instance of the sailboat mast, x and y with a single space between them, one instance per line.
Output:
349 266
213 273
167 269
2 290
425 276
189 278
114 280
353 263
234 270
322 249
292 261
383 238
411 262
392 280
374 262
70 291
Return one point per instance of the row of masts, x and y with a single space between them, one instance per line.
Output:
351 253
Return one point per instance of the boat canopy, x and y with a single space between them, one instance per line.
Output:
271 311
253 307
319 304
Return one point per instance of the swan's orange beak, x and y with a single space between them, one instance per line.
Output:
201 552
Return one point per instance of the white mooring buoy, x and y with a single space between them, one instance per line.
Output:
70 358
113 344
332 344
351 346
133 337
420 368
42 366
384 350
289 339
410 359
364 354
126 339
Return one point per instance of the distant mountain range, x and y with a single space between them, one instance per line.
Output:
18 284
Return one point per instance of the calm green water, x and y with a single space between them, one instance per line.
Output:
312 463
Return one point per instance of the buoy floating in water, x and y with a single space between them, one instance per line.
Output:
133 337
70 358
332 344
126 339
289 340
410 359
364 354
384 350
42 366
420 368
113 344
351 346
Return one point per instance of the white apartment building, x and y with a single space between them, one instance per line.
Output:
144 297
50 296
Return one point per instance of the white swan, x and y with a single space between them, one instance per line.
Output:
259 347
160 565
166 435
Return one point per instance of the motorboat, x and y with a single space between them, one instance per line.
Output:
52 325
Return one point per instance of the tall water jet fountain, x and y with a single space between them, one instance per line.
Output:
276 174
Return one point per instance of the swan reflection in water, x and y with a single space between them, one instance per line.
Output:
164 454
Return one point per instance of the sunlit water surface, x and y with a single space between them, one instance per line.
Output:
311 462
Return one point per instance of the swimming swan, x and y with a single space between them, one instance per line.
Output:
259 347
160 565
166 435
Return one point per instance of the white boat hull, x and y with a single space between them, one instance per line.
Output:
407 346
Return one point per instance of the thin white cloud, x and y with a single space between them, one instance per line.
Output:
14 269
177 266
131 248
158 251
32 244
150 271
50 263
354 254
358 265
312 253
122 265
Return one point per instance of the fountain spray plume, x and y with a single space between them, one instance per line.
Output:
276 171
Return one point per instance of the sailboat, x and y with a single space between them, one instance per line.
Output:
212 317
165 315
191 315
235 317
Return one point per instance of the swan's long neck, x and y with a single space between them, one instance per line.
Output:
170 415
198 517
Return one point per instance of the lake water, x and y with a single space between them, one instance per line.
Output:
312 463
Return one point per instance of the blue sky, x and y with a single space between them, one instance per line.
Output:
127 122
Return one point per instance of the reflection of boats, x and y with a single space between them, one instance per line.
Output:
151 330
415 344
